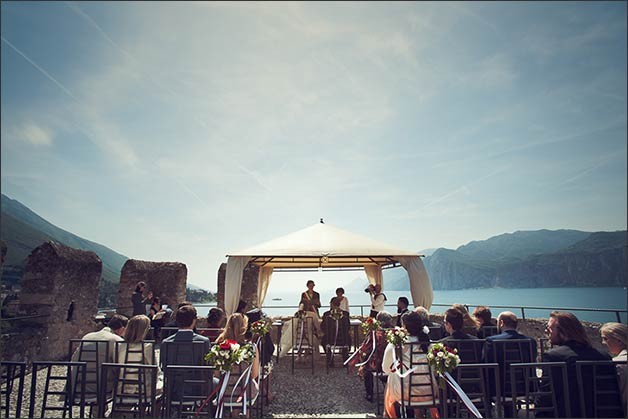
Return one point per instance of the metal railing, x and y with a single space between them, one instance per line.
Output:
367 308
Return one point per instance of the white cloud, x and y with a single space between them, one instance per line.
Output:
35 135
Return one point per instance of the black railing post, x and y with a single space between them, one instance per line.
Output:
618 317
523 313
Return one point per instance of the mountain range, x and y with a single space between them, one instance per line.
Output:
23 230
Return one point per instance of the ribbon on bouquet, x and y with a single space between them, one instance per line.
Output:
246 374
366 341
397 366
220 389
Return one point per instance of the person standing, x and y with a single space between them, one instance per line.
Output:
402 308
310 299
138 300
378 299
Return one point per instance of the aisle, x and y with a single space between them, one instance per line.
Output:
304 394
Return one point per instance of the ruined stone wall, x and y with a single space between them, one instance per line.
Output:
167 280
248 292
59 296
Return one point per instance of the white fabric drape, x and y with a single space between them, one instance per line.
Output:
263 280
420 284
233 282
374 274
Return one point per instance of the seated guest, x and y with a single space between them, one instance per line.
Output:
454 324
186 321
133 351
615 336
414 325
483 317
402 308
335 327
173 321
113 332
570 344
268 345
437 331
507 328
374 357
215 321
470 325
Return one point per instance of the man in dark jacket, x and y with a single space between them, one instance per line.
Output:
572 344
138 300
402 308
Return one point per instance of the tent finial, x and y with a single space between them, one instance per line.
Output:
322 222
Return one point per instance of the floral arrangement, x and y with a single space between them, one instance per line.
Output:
260 327
229 353
336 314
370 325
397 335
442 359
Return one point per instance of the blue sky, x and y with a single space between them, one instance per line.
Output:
183 131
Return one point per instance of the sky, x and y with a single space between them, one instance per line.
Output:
172 131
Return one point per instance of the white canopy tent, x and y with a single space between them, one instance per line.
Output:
326 247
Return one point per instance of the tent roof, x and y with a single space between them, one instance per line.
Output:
323 245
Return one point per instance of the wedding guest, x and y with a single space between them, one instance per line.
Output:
415 325
470 325
215 322
173 321
402 308
570 344
186 322
373 357
615 336
454 325
437 331
344 301
138 300
134 351
482 315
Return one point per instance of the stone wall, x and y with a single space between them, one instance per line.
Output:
59 295
167 280
248 292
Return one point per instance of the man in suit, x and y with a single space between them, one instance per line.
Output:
173 352
402 308
570 344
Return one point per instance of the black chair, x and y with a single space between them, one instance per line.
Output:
469 350
303 342
65 375
183 353
473 380
135 353
168 331
486 331
379 380
422 386
598 389
210 331
506 352
337 339
187 389
242 392
12 378
94 353
537 396
436 333
134 390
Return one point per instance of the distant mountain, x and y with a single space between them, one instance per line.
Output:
525 259
23 230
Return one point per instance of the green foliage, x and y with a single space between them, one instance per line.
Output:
200 296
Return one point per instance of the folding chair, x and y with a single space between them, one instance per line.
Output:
486 331
183 353
134 390
421 383
94 353
537 394
135 353
436 333
598 389
473 379
186 391
71 374
303 340
337 340
10 374
469 350
241 394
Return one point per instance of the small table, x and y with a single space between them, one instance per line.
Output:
278 324
354 323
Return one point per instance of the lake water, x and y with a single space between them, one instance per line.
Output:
563 298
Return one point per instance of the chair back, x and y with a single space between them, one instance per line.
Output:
135 353
241 392
168 331
598 389
510 351
183 353
473 380
186 389
469 350
134 390
419 388
436 333
94 353
538 394
302 341
486 331
12 378
68 376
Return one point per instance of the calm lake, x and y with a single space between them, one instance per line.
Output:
564 298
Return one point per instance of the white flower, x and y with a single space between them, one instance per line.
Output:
426 330
440 354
